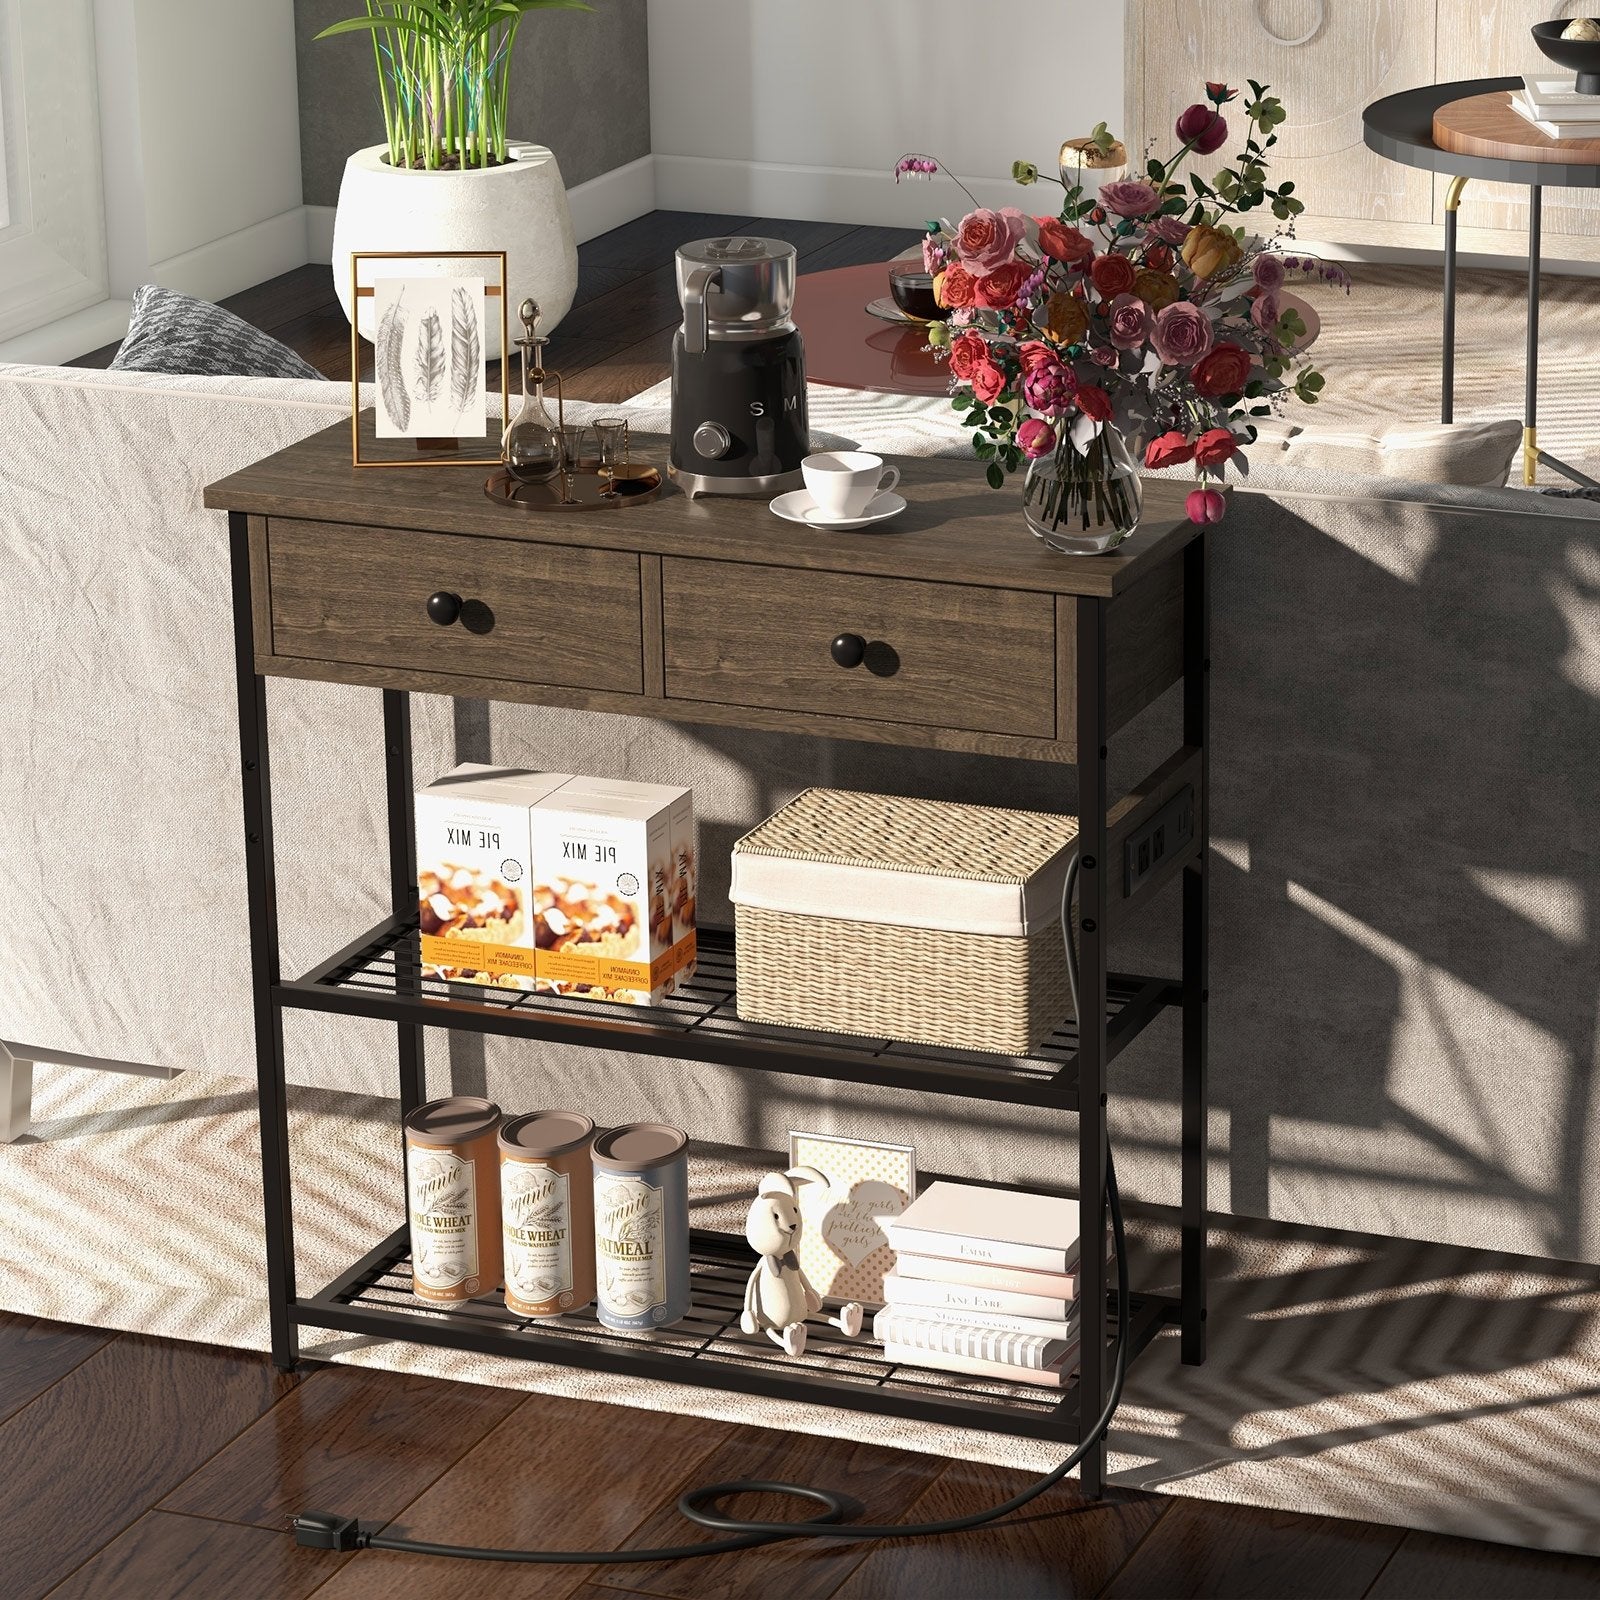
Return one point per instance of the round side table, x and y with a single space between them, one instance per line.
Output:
848 347
1469 130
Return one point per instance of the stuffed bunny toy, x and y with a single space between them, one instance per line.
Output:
778 1298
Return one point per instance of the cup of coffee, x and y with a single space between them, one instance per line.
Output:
844 483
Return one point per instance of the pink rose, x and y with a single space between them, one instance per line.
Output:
1213 447
987 239
1130 197
1129 324
1268 272
1103 356
1202 129
967 350
1265 310
1048 388
1205 505
1174 230
998 290
1182 334
1036 437
1094 402
987 381
1168 450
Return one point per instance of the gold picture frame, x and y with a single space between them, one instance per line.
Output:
447 452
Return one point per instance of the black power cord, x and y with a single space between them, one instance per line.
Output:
327 1531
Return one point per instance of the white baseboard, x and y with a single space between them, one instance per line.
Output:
597 206
824 194
237 260
68 337
613 198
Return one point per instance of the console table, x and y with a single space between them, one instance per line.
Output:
714 611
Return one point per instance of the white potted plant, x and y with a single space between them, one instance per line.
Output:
449 177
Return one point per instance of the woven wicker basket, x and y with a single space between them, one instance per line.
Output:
904 919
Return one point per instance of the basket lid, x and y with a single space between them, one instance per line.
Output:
907 861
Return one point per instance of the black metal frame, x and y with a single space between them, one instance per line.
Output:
380 976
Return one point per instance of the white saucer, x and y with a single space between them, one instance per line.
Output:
798 506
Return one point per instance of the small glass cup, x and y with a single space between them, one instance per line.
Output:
611 433
572 437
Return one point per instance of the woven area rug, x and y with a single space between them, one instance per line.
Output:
1421 1385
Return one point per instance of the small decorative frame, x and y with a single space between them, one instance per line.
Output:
446 452
843 1249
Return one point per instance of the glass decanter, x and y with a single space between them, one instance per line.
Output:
531 444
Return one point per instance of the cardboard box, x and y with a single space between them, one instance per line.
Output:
604 872
474 868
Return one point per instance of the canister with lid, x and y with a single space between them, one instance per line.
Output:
453 1196
547 1212
641 1224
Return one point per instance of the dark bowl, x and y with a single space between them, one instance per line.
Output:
1581 56
911 284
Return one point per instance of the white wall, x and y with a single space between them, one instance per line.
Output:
800 108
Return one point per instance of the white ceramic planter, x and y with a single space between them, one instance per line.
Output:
520 208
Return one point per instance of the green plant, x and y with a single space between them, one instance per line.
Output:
444 74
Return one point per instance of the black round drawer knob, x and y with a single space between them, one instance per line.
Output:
444 608
849 649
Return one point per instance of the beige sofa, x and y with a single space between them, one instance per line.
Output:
1407 880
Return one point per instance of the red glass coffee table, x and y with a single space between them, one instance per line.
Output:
848 347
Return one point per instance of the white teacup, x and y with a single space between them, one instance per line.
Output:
845 482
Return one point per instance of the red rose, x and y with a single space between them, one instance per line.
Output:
1113 275
1169 450
1213 447
1159 258
1225 370
955 287
965 354
987 381
1205 505
1034 353
1202 129
1061 242
999 289
1094 402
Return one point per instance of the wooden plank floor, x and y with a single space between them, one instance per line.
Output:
156 1470
144 1468
617 338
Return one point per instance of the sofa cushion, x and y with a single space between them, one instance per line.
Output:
1477 454
174 333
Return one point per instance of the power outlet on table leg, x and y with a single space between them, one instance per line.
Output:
1166 833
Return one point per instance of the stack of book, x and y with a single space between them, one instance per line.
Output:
985 1282
1557 110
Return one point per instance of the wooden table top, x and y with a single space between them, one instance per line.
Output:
1486 125
955 529
848 347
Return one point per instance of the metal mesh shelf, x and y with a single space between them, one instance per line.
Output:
707 1347
381 975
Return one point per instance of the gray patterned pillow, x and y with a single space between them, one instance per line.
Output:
172 333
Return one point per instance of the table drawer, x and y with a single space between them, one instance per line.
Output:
530 613
941 654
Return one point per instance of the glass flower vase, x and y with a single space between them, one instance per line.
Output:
1084 500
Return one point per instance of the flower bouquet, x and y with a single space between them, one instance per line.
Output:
1140 323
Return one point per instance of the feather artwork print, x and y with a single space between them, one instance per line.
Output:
429 359
466 355
388 355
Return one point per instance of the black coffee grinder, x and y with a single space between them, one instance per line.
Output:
738 371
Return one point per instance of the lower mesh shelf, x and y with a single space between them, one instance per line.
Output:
707 1347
